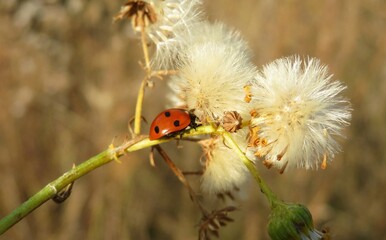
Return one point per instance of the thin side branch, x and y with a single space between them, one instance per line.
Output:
141 91
181 177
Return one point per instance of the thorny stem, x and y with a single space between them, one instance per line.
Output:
141 92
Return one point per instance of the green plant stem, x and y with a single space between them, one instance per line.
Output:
138 107
52 188
271 196
112 153
141 92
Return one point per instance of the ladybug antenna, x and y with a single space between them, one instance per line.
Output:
194 121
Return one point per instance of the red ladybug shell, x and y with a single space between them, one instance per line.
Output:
168 122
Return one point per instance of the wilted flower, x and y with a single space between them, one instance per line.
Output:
212 74
232 121
163 21
224 170
298 110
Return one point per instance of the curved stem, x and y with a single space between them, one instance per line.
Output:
271 196
138 107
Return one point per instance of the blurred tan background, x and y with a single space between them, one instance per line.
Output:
68 82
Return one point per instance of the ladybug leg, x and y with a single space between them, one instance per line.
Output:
179 146
151 157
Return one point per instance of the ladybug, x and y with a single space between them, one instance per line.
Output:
171 122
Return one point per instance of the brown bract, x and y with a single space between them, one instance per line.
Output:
231 121
141 13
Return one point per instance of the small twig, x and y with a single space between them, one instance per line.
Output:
193 172
160 73
181 177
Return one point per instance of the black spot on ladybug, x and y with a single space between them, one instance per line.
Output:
167 114
176 123
156 129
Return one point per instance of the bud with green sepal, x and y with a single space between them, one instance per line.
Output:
292 221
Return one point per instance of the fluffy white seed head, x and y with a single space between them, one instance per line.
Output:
163 22
174 19
212 73
203 32
298 112
224 170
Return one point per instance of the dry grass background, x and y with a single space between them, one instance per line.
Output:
68 81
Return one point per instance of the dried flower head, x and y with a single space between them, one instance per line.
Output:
224 170
212 74
163 22
231 121
298 112
141 13
211 223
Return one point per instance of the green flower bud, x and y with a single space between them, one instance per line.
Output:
292 221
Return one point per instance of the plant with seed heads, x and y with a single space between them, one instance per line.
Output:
288 114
